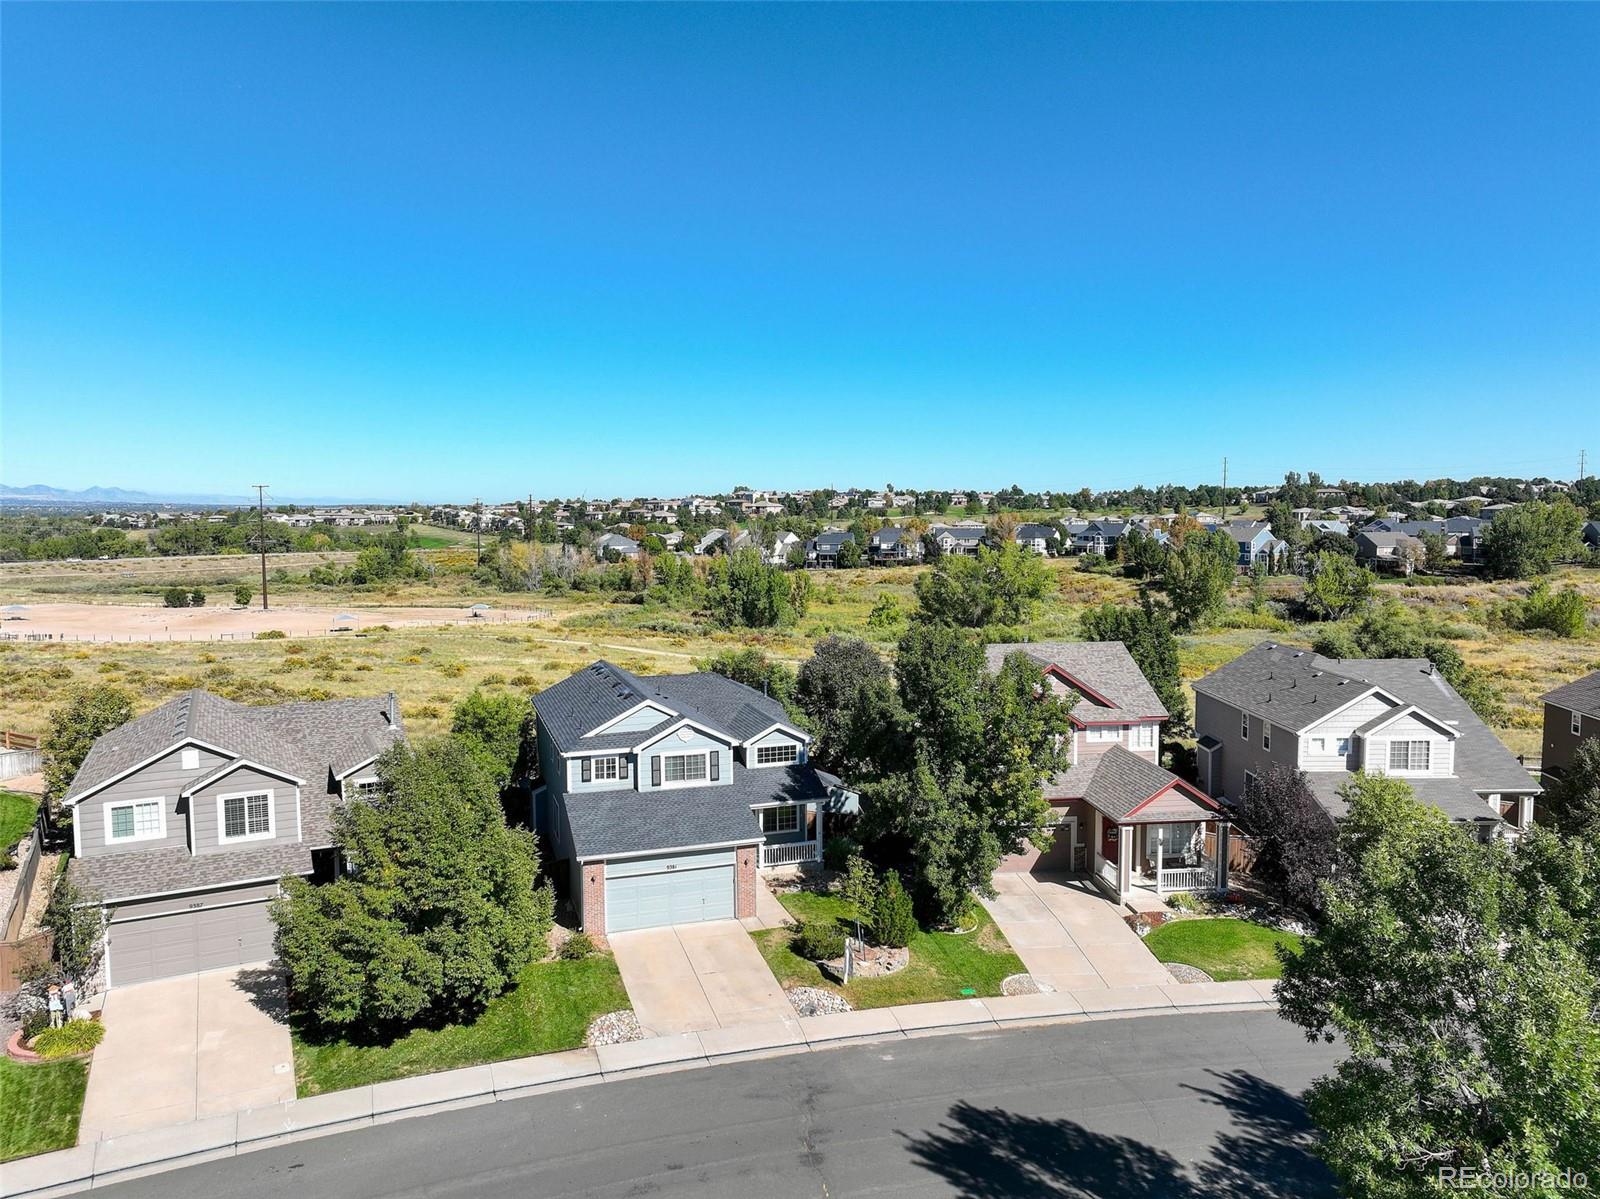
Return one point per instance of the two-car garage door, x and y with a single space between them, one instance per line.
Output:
221 929
674 889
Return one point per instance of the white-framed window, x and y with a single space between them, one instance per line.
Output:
1144 736
1319 745
136 820
780 820
1408 755
1344 746
1249 781
606 769
1244 726
244 816
1577 723
1266 735
364 787
683 768
777 755
1105 732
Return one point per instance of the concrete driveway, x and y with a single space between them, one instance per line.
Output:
1069 935
185 1048
694 977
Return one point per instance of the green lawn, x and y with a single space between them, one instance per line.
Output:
16 816
1224 948
942 964
39 1106
549 1009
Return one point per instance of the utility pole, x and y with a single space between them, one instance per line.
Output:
1224 486
477 526
261 536
1583 461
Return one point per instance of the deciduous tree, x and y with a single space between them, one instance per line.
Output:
74 727
1147 632
1336 587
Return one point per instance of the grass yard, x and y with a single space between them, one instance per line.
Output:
1226 949
16 816
549 1009
39 1106
942 964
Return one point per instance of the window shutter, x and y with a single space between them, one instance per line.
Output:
588 770
716 765
622 766
655 770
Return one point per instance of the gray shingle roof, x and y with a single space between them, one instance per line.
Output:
1580 695
604 823
1294 688
303 740
1104 666
1123 780
1453 797
601 692
112 877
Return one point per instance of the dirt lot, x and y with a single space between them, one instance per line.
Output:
149 622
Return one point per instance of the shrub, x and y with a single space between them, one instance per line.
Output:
242 595
35 1021
837 852
893 921
75 1036
7 862
270 635
577 947
1183 901
175 597
818 940
1560 612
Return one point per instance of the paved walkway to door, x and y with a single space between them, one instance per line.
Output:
1069 935
186 1048
693 977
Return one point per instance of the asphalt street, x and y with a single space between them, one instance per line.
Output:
1185 1106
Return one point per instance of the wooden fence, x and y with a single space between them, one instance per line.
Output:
10 740
18 952
19 958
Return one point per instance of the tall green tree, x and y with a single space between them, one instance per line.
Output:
493 726
848 698
1147 632
72 729
993 586
1336 587
940 671
754 669
439 913
744 592
1463 986
1196 576
1532 538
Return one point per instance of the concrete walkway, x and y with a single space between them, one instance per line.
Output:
188 1048
694 977
769 912
1070 936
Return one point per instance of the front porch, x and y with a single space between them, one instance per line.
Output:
1175 841
793 833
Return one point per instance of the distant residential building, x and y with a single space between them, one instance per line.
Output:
619 543
891 545
1384 550
823 549
959 539
1039 538
1571 715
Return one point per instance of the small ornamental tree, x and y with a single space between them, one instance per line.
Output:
1293 837
74 727
242 595
439 913
894 922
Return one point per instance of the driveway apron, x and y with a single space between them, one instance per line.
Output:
1069 936
695 977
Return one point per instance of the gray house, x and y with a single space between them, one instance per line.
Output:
1278 705
618 543
1099 537
1385 550
959 539
1571 715
185 819
663 796
823 549
893 545
1041 539
1131 825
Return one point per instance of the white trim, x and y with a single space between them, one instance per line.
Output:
346 784
138 766
702 780
161 811
758 764
247 835
777 809
340 777
668 849
238 764
1577 722
242 882
643 703
787 728
1370 691
299 833
1411 710
714 734
210 907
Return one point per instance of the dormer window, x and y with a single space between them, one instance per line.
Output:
606 769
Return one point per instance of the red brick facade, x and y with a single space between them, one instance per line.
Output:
744 883
594 899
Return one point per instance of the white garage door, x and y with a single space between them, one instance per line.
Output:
676 889
141 950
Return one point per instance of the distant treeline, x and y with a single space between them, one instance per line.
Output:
54 538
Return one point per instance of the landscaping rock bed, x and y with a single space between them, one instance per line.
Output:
613 1028
1188 974
817 1001
870 961
1024 984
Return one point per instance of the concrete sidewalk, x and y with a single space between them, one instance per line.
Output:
1070 936
137 1154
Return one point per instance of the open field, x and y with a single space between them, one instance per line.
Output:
432 667
223 621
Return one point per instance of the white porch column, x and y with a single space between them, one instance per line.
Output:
1161 837
1124 860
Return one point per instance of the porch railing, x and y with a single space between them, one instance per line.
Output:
1187 878
790 854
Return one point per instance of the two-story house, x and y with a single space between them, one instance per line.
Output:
1571 715
892 545
185 819
1039 538
1385 550
823 549
1276 705
1120 817
1099 537
661 797
616 543
959 539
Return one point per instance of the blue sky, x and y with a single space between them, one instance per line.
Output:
443 251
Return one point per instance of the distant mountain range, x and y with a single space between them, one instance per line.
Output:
40 493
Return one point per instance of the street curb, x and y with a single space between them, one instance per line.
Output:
118 1159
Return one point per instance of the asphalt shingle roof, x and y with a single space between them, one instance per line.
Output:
109 878
1580 695
605 823
1123 780
1104 666
1452 796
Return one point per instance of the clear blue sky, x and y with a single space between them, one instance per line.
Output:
444 251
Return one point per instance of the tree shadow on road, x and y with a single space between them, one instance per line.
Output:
989 1153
